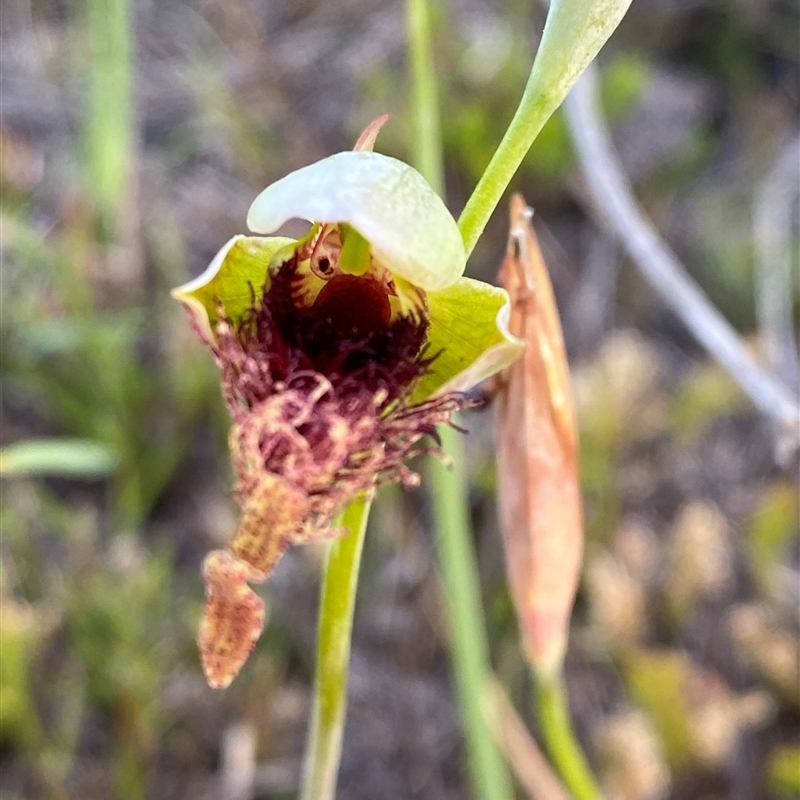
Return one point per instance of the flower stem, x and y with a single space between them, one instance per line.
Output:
573 34
470 649
550 700
324 746
427 142
533 111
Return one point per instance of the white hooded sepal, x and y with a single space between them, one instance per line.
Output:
408 227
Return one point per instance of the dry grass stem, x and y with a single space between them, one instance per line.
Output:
530 767
613 202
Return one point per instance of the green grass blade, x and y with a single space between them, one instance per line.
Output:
68 458
470 649
468 639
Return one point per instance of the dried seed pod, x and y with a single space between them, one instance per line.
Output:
538 491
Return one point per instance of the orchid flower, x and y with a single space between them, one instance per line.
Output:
339 353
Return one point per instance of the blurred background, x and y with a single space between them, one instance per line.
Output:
133 136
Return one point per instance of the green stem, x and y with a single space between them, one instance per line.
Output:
338 596
534 110
470 649
573 34
427 142
550 700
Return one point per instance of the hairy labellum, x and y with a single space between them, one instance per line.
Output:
318 377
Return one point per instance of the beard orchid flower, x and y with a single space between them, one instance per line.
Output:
339 355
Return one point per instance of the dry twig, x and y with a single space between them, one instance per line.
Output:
526 760
772 231
613 202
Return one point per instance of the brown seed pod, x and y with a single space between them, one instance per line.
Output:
538 491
